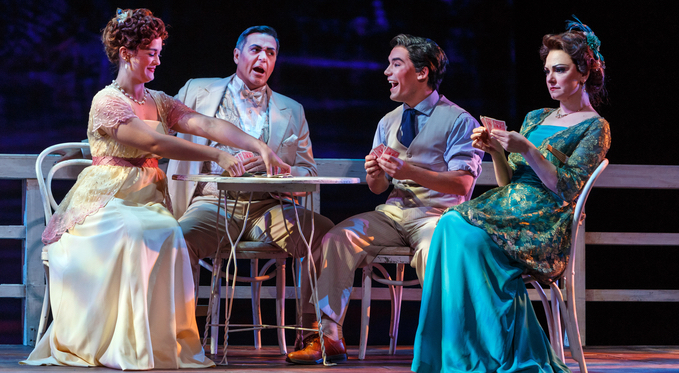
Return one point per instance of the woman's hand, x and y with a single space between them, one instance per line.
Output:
511 141
230 164
274 165
482 140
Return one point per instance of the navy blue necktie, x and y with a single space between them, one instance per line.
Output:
408 126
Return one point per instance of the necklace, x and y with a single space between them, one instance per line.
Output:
559 114
118 87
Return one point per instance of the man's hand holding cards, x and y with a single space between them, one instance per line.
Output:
383 151
253 163
242 156
372 167
378 150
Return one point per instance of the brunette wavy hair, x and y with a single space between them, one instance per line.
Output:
424 52
132 29
574 43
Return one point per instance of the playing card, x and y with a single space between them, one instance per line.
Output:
391 152
484 121
378 150
497 124
242 156
493 124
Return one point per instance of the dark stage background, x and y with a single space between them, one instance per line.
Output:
332 58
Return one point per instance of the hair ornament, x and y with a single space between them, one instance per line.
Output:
121 16
592 41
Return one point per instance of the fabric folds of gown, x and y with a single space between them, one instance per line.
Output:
475 314
122 293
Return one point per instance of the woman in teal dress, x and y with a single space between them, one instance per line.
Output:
476 315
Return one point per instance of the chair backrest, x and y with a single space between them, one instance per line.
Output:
579 216
45 184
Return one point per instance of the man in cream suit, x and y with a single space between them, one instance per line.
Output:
246 100
436 168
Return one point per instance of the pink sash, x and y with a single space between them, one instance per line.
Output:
125 162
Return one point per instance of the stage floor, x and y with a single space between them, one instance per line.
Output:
619 359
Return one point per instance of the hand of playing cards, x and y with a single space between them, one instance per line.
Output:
245 155
242 156
493 124
381 149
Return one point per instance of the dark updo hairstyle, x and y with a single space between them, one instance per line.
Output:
132 29
575 44
424 53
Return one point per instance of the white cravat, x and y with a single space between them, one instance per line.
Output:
252 112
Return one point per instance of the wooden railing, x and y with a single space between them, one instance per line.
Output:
22 167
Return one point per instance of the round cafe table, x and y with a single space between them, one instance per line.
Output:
276 185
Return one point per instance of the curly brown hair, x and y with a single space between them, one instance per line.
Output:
132 29
574 43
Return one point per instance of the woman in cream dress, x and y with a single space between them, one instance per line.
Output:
120 277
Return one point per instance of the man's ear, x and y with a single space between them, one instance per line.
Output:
236 54
423 74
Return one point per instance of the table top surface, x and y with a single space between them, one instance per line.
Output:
268 180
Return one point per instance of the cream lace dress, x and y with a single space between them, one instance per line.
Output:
120 277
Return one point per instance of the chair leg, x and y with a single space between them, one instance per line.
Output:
575 342
280 304
44 314
396 309
214 317
255 290
298 272
557 299
365 311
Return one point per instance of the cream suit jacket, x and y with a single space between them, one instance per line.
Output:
288 135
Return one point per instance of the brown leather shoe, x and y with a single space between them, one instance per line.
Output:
335 351
300 344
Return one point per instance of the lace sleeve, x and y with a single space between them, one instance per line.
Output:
109 110
172 109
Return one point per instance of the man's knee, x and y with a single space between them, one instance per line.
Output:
323 224
336 236
199 236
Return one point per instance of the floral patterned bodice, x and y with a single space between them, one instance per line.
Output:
529 221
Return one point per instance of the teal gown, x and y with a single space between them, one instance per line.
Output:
476 315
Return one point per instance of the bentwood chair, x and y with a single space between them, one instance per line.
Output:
401 256
558 309
49 204
254 251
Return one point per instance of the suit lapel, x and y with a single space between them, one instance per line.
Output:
279 120
208 99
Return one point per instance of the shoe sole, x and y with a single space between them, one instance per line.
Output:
331 359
